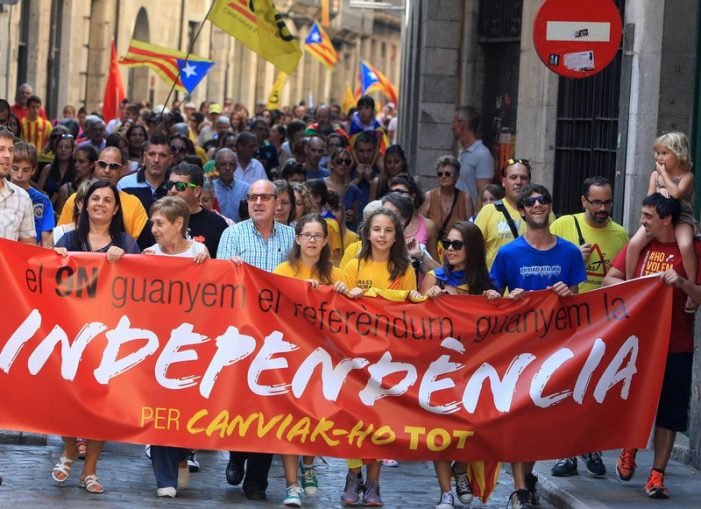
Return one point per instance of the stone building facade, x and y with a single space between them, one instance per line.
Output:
62 48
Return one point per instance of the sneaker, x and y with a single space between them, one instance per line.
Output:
655 485
192 464
625 466
147 450
293 496
351 492
462 487
447 501
166 492
521 499
309 480
565 467
390 463
532 487
595 466
372 498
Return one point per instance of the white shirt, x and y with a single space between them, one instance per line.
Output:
192 251
254 171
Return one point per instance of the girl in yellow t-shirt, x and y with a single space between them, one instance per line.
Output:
310 260
382 263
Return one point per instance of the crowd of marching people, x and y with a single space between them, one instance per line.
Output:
328 197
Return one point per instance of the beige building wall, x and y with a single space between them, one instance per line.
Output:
88 27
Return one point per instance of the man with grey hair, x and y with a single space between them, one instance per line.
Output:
262 242
476 161
230 192
95 130
21 108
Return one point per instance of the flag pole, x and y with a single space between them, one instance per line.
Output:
189 52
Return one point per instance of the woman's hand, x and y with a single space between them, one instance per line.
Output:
434 291
340 287
517 294
561 289
61 251
355 293
148 252
201 257
491 294
114 253
312 282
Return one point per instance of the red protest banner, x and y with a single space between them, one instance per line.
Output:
214 356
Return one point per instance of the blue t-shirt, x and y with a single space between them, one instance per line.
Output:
519 265
44 220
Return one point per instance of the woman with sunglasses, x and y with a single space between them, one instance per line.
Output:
62 168
309 260
340 183
100 229
446 204
463 272
169 221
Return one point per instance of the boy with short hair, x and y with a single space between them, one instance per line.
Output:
35 130
24 165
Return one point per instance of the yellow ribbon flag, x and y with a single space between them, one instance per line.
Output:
258 25
349 100
276 92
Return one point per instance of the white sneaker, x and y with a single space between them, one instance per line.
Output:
447 501
293 496
166 492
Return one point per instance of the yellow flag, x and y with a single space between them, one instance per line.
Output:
276 92
349 100
258 25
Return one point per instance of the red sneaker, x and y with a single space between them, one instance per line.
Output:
655 486
625 466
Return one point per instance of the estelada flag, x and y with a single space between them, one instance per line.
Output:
320 46
187 71
349 100
258 25
372 79
114 89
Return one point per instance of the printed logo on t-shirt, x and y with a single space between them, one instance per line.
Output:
657 261
598 263
549 271
38 210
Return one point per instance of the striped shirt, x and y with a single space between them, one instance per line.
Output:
36 132
16 213
245 241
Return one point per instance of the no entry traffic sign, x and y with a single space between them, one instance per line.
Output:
576 38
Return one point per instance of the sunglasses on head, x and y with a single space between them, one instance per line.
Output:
400 191
111 166
543 200
456 244
179 186
524 162
64 137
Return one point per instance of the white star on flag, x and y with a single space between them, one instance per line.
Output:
189 70
372 75
316 37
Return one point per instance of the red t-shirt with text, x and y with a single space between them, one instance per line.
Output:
659 257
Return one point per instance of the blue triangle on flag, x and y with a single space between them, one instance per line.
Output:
192 72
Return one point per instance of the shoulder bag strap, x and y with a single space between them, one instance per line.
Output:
579 231
499 205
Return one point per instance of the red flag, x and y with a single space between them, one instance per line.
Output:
114 90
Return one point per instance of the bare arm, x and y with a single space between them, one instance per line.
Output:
679 190
613 276
652 183
672 278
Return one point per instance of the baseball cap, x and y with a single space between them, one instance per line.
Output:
215 108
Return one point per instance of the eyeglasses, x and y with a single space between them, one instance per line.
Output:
112 166
400 191
342 160
456 244
312 236
6 128
263 197
179 186
599 203
543 200
445 173
177 150
524 162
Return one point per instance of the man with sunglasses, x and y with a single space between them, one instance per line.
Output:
108 167
148 183
476 161
537 260
600 240
204 226
501 222
264 243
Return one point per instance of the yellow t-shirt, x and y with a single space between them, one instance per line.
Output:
334 235
495 229
605 242
350 253
349 237
368 274
36 132
304 272
133 212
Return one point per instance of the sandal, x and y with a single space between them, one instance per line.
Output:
92 484
63 467
82 448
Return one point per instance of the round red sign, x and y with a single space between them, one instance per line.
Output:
577 39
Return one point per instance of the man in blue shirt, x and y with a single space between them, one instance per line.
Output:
263 243
537 260
229 191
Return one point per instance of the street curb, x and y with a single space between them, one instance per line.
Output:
555 495
22 438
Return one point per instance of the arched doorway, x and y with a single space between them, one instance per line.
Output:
138 77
